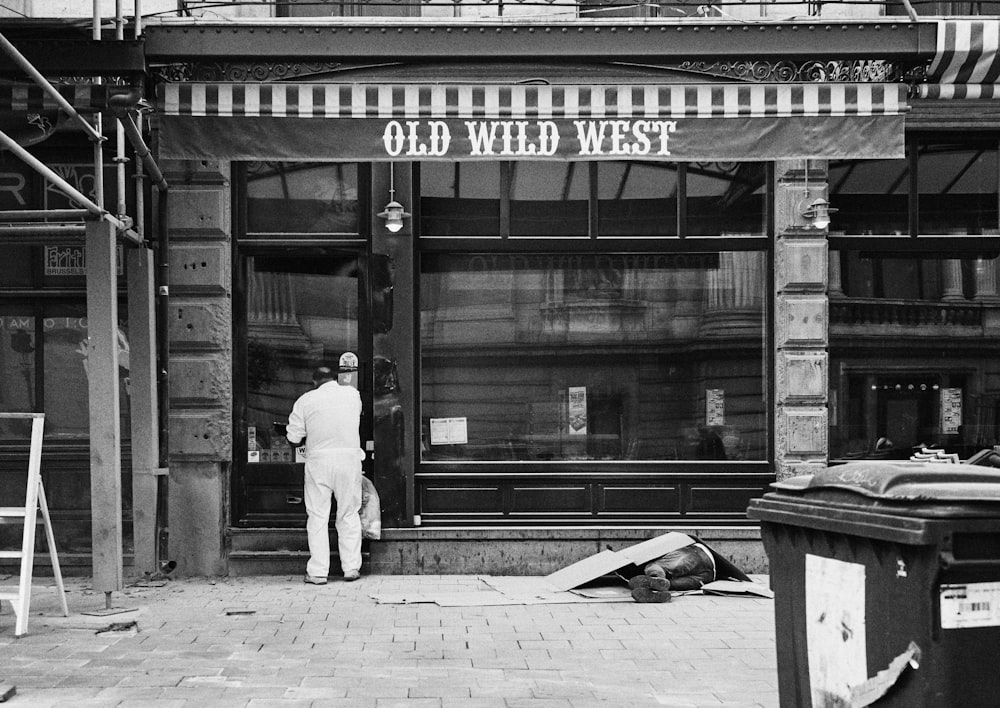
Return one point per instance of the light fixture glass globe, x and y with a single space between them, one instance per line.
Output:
393 215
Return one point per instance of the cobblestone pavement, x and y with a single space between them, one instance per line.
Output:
274 641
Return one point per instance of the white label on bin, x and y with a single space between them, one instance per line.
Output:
836 643
970 605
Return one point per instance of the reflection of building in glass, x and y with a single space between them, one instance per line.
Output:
914 366
639 338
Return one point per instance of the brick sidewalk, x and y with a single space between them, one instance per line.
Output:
274 641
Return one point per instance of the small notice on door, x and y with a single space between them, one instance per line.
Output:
970 605
577 401
449 431
951 410
715 406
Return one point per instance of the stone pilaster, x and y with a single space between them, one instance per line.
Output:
200 326
801 329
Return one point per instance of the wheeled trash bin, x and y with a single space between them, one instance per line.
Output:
886 577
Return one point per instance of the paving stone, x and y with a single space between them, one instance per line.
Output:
335 646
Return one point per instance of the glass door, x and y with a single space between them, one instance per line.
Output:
298 309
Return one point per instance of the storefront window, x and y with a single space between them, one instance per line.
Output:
290 198
913 342
606 356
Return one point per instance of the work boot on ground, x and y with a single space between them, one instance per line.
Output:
646 588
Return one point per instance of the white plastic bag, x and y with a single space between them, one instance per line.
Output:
371 511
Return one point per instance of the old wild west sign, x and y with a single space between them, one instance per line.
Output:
670 122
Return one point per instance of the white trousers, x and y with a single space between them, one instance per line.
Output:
333 476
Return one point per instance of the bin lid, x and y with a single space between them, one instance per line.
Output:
903 481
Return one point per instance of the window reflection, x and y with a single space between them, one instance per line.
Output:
593 356
912 351
726 198
460 199
549 198
301 313
290 197
637 199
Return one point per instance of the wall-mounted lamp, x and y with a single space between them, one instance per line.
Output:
393 212
817 212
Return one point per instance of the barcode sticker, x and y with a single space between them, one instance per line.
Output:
970 605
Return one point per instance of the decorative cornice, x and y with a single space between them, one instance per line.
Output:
819 71
240 71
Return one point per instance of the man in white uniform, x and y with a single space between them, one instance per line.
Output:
328 418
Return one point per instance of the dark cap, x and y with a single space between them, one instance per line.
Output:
323 373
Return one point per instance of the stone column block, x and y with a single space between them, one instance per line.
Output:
200 380
801 265
802 376
803 431
801 321
200 325
201 435
200 268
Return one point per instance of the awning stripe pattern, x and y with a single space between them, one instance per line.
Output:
966 63
402 101
32 98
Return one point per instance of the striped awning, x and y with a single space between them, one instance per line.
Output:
430 121
31 98
965 63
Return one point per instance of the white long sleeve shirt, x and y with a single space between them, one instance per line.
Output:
329 416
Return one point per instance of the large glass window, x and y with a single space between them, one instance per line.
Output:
597 356
913 344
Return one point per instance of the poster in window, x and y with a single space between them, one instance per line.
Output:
715 407
951 410
577 410
449 431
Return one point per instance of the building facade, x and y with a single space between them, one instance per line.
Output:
604 277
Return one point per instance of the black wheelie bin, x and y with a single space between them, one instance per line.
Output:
886 577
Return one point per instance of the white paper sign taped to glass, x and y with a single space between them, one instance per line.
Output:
449 431
659 122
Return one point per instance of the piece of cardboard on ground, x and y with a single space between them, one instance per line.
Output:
606 562
581 581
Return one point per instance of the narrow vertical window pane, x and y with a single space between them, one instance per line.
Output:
460 199
637 199
593 357
17 370
549 199
726 198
